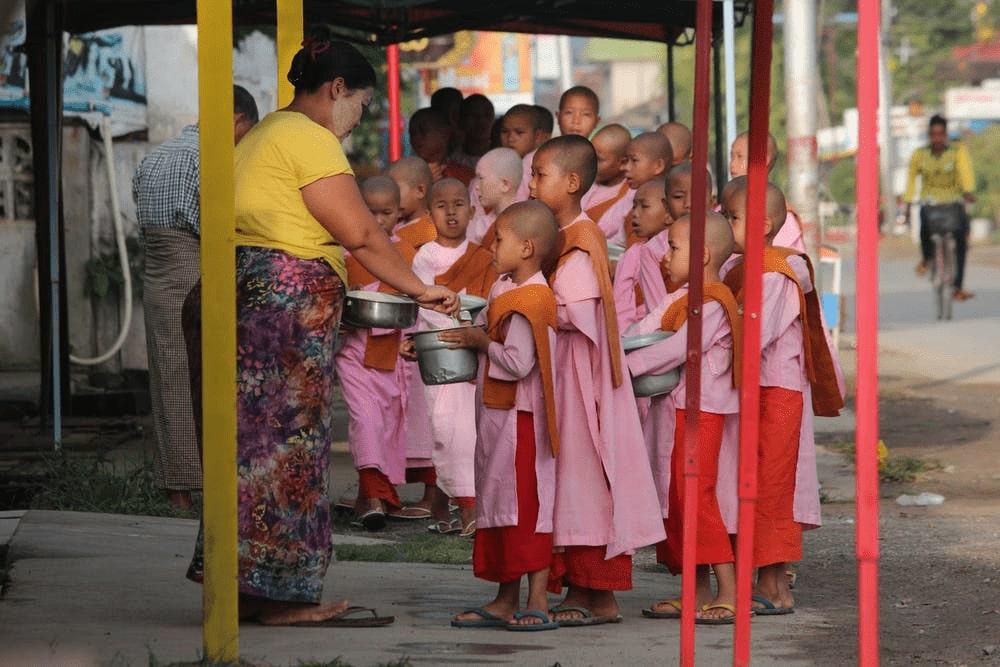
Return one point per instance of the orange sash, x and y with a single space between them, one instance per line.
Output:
826 398
418 233
473 272
489 237
381 352
597 211
537 304
677 315
586 236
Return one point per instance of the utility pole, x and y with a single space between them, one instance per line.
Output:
801 91
886 144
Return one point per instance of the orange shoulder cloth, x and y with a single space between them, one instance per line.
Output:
381 352
597 211
418 233
677 315
586 236
826 397
473 272
537 304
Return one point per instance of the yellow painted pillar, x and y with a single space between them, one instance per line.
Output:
220 622
291 20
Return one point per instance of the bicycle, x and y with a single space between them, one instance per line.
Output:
943 222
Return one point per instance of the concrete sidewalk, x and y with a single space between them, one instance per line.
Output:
93 588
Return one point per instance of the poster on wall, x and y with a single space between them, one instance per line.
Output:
104 75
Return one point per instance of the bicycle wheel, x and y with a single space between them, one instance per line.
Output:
938 283
948 277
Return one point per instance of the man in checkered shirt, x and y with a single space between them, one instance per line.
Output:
166 192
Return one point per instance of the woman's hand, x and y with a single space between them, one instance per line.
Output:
407 350
441 299
473 338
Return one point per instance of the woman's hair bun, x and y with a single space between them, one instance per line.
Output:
323 59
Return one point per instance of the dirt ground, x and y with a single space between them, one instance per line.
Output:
940 569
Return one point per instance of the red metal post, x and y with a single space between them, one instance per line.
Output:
866 318
753 257
692 406
395 113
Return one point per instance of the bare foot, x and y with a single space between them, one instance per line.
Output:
575 597
499 608
531 620
603 603
772 585
287 613
719 611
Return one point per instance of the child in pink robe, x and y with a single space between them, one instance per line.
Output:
610 187
521 131
517 431
649 219
719 398
499 175
606 504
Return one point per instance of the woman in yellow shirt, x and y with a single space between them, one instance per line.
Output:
298 207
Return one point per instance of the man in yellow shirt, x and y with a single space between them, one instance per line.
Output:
946 186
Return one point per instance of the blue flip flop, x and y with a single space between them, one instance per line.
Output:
546 622
485 620
768 608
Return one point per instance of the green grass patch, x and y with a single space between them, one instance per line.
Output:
894 469
97 485
429 548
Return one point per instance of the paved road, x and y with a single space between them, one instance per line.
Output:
966 349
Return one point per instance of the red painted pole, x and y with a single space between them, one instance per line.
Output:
692 406
753 257
866 318
395 113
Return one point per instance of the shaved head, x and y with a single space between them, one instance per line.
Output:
684 170
776 207
680 139
449 186
533 221
772 147
504 163
656 187
380 185
718 236
612 138
528 111
413 171
573 154
655 146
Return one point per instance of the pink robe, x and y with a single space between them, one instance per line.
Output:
790 235
451 408
524 189
513 360
598 194
640 265
612 223
377 434
717 395
480 223
605 494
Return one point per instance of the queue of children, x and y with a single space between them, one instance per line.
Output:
556 470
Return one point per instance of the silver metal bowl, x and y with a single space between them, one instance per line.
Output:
615 252
377 309
472 305
647 386
440 364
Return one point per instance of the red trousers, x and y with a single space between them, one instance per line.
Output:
712 540
372 483
426 475
587 567
508 553
777 537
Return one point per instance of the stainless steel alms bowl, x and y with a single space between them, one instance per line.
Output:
377 309
472 305
646 386
440 364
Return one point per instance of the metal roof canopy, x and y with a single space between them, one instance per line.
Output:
394 21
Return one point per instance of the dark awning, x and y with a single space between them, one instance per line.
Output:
391 21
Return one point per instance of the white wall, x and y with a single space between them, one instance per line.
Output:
633 83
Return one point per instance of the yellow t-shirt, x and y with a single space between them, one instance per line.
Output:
285 152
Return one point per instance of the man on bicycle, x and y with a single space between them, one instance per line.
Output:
946 185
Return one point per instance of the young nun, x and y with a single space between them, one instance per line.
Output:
517 439
606 504
498 179
414 179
